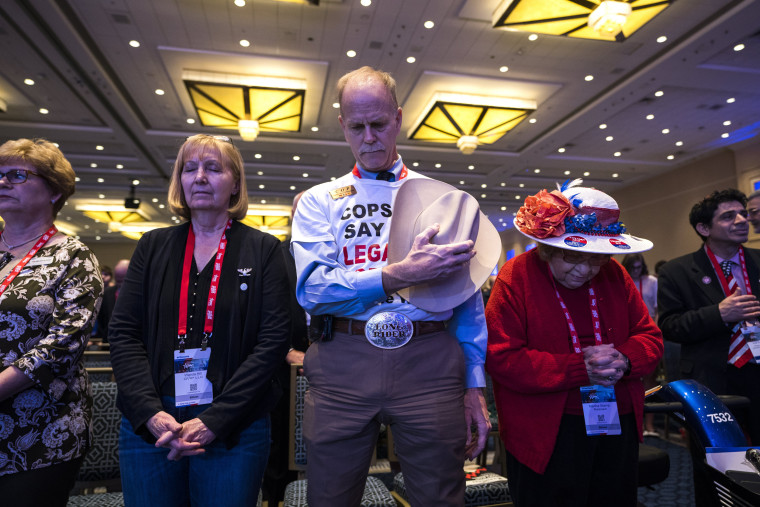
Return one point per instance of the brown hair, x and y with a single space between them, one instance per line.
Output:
230 158
49 163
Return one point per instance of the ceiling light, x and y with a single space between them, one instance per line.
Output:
257 155
617 154
119 166
296 158
561 150
134 43
679 143
292 187
93 165
411 59
159 91
603 126
567 173
162 206
428 24
350 53
517 197
727 123
605 20
99 147
43 111
589 78
77 179
249 104
738 47
155 199
609 138
532 37
101 180
650 117
666 131
135 182
305 175
261 186
532 120
190 121
503 208
468 120
101 196
731 100
366 3
536 170
503 68
438 166
245 43
415 164
260 173
315 129
248 129
521 185
671 157
29 82
661 39
461 182
615 175
483 185
239 3
470 167
587 174
336 105
724 135
659 93
332 178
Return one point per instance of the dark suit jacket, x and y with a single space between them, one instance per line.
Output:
687 299
104 315
299 338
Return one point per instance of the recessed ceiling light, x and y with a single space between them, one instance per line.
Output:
240 3
350 53
260 173
135 182
332 178
305 175
482 196
162 206
666 131
245 43
661 39
411 59
615 175
724 135
521 185
603 126
101 196
428 24
503 208
99 147
101 180
315 129
257 155
77 178
292 187
483 185
561 150
503 68
29 82
730 100
659 93
517 197
738 47
609 138
134 43
190 121
617 154
296 158
438 165
43 111
461 182
532 37
589 78
536 170
263 201
261 186
679 143
503 184
119 166
470 167
727 123
650 117
415 164
159 91
97 238
155 199
587 173
567 173
366 3
93 165
336 105
671 157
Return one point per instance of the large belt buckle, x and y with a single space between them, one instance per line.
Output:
389 330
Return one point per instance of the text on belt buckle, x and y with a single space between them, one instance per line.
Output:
389 330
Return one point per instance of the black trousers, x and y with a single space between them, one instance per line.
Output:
583 471
49 486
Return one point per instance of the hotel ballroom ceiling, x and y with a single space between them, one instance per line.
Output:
683 86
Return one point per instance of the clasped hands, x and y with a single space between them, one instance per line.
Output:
604 364
182 440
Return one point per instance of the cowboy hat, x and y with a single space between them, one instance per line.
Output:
577 218
422 202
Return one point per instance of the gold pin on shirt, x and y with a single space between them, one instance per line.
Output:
340 193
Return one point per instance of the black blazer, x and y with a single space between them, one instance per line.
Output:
688 294
251 329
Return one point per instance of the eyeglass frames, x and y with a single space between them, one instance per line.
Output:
16 176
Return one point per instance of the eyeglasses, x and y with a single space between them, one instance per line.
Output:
16 176
580 258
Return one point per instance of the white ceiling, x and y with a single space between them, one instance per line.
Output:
101 91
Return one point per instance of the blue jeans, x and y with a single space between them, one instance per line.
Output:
220 476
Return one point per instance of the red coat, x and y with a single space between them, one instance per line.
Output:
530 357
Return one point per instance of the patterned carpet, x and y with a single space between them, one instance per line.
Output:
677 490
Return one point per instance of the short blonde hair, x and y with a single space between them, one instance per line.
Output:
230 158
47 161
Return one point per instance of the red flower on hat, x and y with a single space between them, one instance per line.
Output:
543 215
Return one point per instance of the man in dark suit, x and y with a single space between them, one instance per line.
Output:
703 297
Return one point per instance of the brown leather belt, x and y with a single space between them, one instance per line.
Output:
351 326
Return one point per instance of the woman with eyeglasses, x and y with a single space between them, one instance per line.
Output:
50 290
200 326
568 341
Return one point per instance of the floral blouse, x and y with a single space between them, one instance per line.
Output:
46 315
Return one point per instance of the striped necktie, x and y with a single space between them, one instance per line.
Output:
738 350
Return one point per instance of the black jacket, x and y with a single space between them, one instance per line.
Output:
251 329
688 294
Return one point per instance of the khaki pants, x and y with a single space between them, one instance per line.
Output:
417 389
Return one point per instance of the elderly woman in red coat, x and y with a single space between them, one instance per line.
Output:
569 339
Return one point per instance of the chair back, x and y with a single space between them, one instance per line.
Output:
296 442
102 460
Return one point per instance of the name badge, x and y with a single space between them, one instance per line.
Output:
752 336
191 387
340 193
389 330
600 410
40 261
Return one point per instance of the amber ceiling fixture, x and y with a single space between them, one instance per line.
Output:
587 19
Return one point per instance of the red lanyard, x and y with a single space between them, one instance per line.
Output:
722 277
358 173
594 316
208 325
17 269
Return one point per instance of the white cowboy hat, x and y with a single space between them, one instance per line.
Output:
577 218
422 202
